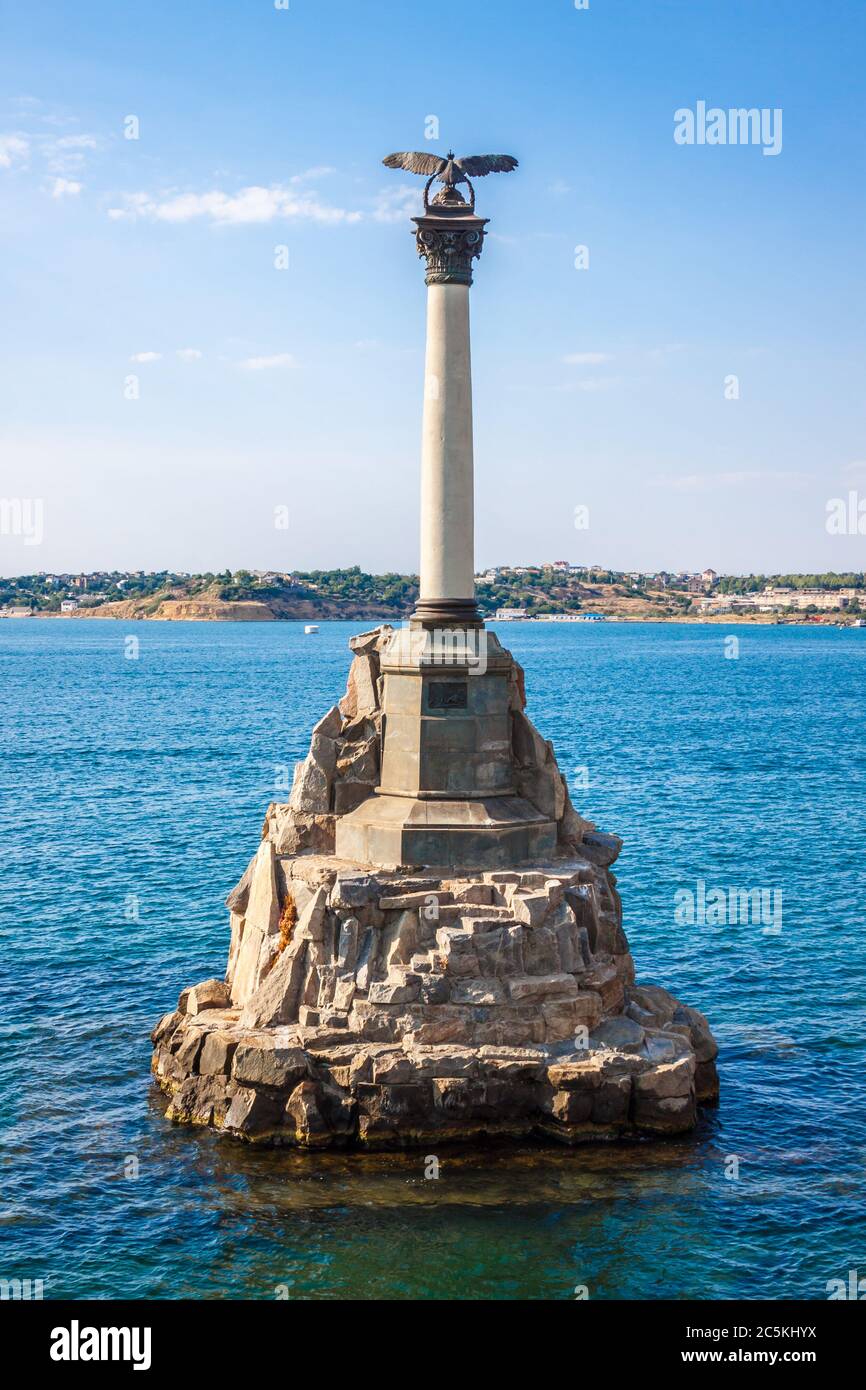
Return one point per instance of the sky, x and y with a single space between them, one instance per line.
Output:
218 323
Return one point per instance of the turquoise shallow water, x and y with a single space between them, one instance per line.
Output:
136 788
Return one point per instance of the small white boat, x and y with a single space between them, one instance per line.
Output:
310 628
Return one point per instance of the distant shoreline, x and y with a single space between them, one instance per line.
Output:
549 593
706 619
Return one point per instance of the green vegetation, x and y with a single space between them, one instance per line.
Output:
540 590
754 583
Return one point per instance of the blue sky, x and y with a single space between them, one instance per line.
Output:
302 388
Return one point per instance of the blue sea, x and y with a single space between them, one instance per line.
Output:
137 762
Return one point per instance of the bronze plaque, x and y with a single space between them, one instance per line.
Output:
447 695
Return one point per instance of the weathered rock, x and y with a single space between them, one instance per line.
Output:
210 994
330 725
535 989
563 1017
600 848
239 895
261 1062
317 1114
541 951
376 640
706 1083
531 908
166 1026
394 991
606 982
298 832
499 951
610 1102
572 827
276 999
215 1058
621 1034
311 788
704 1044
254 937
487 993
201 1100
361 697
359 762
351 891
253 1114
670 1079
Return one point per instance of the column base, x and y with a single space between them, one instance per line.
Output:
446 612
495 832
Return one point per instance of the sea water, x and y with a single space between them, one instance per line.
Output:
137 762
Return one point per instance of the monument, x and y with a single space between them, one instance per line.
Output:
447 793
427 946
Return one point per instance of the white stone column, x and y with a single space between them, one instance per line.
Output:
447 501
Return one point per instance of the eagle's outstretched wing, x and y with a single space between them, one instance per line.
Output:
477 165
416 162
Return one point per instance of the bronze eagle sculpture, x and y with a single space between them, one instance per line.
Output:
450 169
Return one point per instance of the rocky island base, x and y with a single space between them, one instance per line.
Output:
405 1006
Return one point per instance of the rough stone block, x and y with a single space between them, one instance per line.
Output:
536 989
541 952
253 1113
610 1101
480 992
531 908
216 1054
259 1062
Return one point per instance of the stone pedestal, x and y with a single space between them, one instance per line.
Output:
397 1006
447 794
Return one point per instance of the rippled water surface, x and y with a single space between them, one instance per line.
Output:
133 792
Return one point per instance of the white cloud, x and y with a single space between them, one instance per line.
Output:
559 188
587 359
318 172
14 149
263 364
145 357
68 153
251 205
188 354
65 188
76 142
398 204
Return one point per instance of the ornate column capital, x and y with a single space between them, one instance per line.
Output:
449 237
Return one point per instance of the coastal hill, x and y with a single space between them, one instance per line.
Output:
554 591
